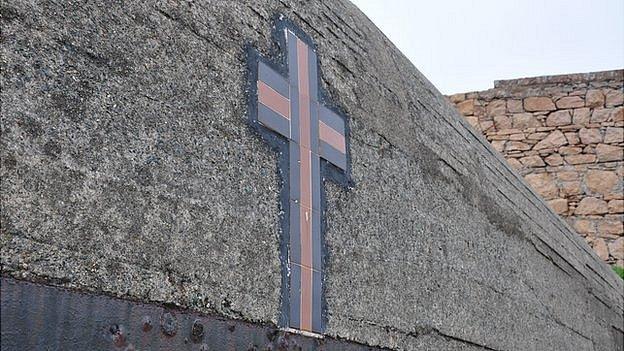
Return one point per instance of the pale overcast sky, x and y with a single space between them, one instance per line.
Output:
462 45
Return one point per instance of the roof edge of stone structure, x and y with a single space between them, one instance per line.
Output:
616 74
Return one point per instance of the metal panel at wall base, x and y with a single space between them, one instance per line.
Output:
40 317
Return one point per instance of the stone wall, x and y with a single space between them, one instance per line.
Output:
564 134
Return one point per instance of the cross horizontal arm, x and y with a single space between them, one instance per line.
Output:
273 101
332 144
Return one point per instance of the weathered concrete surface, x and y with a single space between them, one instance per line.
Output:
128 169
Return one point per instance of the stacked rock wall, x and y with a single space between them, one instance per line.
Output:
564 134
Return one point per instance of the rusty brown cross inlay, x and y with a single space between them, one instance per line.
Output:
289 106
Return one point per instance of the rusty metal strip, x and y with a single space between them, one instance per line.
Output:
40 317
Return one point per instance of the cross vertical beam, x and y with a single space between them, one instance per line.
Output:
305 238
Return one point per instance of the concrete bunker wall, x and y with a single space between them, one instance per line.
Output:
129 169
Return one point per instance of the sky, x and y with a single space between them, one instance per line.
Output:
463 45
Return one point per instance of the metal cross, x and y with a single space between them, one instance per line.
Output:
290 107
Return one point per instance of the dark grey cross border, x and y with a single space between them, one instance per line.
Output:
290 111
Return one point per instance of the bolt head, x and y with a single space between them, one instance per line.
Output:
197 331
117 335
168 324
146 323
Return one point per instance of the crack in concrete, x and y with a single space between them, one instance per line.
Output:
419 331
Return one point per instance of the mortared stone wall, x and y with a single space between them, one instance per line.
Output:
564 134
